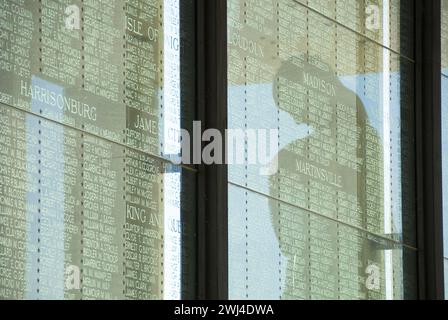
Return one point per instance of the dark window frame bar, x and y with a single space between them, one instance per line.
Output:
212 197
212 230
429 149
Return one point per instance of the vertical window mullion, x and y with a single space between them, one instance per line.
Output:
429 168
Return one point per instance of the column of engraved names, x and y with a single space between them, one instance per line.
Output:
349 134
399 213
348 131
261 62
322 154
237 80
321 40
350 14
294 244
374 178
103 24
143 228
323 258
102 219
174 255
291 30
58 221
18 54
144 73
14 187
60 53
321 115
351 264
292 184
350 199
321 193
72 213
102 39
257 42
349 210
291 229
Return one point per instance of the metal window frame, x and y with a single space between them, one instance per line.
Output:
429 149
212 230
211 84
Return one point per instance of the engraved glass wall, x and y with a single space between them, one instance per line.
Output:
320 95
91 206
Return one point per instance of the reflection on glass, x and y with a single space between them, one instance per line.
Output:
117 77
281 251
82 217
339 102
90 206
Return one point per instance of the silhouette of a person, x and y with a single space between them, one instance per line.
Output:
332 175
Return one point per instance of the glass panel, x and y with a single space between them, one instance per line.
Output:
109 68
82 217
91 207
321 120
282 251
334 98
